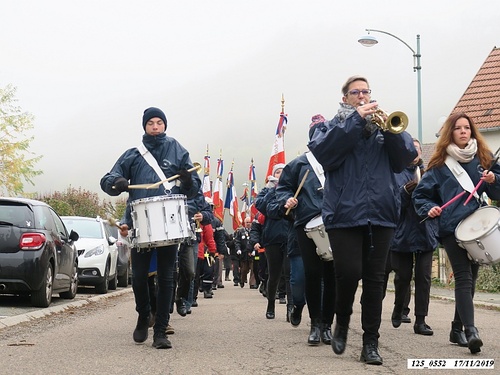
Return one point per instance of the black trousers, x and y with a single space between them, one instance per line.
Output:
465 274
187 270
360 253
404 265
319 280
388 270
277 264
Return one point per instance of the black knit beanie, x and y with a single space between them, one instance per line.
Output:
153 112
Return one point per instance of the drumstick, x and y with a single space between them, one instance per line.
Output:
447 204
114 223
481 181
155 185
298 190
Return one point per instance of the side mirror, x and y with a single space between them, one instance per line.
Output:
112 240
73 236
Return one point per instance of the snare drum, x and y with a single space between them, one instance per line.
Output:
315 230
160 221
479 234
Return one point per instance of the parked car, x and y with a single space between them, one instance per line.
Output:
37 253
97 252
124 265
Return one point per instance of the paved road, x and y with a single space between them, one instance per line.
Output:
225 335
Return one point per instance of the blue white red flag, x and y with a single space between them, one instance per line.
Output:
218 192
245 207
207 188
253 190
231 202
278 150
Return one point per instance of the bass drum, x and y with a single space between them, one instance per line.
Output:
479 234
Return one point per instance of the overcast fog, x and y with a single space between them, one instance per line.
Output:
87 70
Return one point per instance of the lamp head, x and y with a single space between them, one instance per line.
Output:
368 41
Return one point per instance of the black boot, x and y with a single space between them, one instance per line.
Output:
457 335
370 354
141 329
326 333
339 338
396 318
473 341
315 334
270 310
289 309
296 315
181 307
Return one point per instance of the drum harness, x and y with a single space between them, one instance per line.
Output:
461 175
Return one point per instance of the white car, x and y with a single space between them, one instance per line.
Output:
97 252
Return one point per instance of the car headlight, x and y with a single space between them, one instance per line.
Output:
95 251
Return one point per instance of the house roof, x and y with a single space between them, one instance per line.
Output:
480 99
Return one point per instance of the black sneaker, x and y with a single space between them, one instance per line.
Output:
141 330
160 341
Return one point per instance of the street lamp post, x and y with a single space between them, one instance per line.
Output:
369 41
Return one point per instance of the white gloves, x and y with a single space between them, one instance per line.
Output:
238 252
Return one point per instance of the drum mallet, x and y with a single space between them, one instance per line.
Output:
481 181
298 190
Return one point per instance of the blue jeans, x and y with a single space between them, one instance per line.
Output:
141 259
297 280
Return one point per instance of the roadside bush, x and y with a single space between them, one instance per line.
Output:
78 202
488 278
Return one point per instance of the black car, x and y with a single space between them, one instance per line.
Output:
37 254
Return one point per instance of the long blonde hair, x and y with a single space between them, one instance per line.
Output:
438 158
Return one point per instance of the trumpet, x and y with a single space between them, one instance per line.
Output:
395 123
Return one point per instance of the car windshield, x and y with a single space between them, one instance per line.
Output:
85 228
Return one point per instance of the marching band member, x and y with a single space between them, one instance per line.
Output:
360 207
460 147
133 168
412 249
319 274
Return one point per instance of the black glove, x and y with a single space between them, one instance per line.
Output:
185 179
121 184
410 186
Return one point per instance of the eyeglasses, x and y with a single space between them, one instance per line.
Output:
357 92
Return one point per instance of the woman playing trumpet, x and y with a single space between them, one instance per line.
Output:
360 207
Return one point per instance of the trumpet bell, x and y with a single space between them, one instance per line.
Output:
396 122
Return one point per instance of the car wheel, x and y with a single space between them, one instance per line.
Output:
103 287
114 281
73 287
43 296
123 279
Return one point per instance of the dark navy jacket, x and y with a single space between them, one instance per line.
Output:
360 185
439 185
275 229
310 196
411 235
170 155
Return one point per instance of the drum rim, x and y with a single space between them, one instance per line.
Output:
159 198
307 229
487 233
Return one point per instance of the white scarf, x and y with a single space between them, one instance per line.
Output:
463 155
